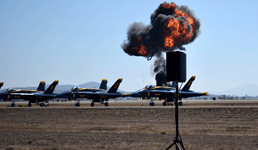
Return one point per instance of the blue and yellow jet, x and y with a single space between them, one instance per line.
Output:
4 95
167 93
96 95
69 94
33 96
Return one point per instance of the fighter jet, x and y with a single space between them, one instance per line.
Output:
4 95
99 95
40 96
69 94
167 93
41 88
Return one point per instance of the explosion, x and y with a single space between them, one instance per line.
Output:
171 27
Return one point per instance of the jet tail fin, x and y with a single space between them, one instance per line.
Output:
188 84
1 84
103 84
51 88
41 86
115 86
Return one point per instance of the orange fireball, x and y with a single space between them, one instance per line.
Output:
175 31
171 27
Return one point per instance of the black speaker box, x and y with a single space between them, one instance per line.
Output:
176 66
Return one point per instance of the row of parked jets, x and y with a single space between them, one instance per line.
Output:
101 95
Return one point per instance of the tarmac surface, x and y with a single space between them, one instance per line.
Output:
143 104
212 125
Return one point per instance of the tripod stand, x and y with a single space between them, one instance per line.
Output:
178 140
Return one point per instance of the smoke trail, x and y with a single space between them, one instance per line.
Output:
160 69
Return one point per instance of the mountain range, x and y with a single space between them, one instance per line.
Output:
246 89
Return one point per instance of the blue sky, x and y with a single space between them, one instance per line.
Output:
80 41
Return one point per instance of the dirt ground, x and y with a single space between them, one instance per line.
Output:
128 128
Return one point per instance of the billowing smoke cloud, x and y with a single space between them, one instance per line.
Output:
171 27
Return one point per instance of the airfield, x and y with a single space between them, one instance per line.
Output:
139 103
130 124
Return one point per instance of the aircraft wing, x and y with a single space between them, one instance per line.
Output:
183 94
153 93
192 94
126 94
66 94
167 94
96 95
30 96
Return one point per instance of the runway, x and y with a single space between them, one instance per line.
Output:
142 104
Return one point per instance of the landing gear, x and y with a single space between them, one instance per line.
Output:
29 104
77 104
92 104
151 103
106 104
41 104
169 102
13 104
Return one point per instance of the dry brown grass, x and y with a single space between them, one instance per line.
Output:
128 128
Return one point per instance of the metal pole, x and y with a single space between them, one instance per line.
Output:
176 113
177 141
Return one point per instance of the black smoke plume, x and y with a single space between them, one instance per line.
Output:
170 28
151 38
160 70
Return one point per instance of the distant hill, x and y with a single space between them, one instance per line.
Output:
62 88
247 89
90 85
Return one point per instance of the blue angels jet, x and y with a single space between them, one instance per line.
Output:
4 95
96 95
33 96
168 93
69 94
41 87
